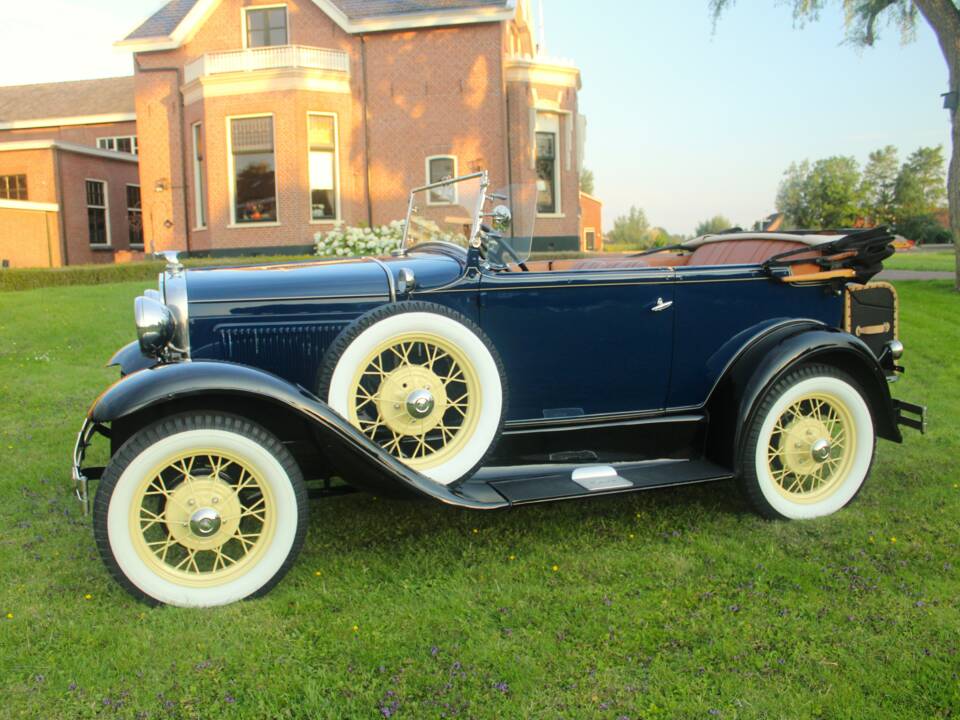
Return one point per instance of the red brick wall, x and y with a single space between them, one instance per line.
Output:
38 166
591 217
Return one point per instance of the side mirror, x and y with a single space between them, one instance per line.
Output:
501 218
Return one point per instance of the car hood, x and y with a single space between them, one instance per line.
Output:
346 278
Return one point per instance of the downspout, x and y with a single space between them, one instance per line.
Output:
183 145
62 222
366 129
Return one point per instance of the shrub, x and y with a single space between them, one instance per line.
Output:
345 241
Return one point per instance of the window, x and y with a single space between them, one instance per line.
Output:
266 26
253 170
13 187
590 238
548 181
439 168
199 177
121 143
134 215
322 134
97 221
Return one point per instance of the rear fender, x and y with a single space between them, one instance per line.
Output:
167 389
766 359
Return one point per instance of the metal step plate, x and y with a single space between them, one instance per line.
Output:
597 478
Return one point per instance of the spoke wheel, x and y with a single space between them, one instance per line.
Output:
808 445
201 517
812 447
417 397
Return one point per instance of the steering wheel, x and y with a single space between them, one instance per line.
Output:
496 250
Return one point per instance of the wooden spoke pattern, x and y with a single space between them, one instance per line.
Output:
183 486
400 367
794 464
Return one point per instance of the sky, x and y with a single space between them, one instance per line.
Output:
682 122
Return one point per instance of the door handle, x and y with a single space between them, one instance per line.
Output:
661 305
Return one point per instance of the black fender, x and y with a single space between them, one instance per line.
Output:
130 359
765 359
205 384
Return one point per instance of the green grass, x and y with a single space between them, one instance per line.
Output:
666 604
938 260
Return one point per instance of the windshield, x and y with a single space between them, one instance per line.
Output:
456 210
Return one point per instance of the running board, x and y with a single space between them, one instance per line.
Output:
524 484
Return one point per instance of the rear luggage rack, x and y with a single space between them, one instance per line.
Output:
857 255
904 410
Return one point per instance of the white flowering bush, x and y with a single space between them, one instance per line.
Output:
345 241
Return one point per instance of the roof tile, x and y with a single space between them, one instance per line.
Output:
105 96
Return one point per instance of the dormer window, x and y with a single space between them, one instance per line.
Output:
266 26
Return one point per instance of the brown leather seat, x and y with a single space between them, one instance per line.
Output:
741 252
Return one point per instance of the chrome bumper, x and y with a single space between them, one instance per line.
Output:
80 481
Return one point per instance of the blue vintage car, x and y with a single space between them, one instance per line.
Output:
460 370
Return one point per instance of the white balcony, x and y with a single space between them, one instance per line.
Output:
267 58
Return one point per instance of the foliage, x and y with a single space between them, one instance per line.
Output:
716 224
673 603
823 195
32 278
586 181
630 229
878 187
345 241
921 184
923 229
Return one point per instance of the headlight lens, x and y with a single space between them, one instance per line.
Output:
154 325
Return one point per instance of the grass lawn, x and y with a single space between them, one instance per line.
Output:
943 260
666 604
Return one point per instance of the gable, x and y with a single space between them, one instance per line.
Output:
178 20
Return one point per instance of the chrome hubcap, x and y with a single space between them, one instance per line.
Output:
420 404
205 522
820 450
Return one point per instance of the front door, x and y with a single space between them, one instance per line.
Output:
582 342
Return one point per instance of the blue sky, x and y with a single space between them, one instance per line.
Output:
682 122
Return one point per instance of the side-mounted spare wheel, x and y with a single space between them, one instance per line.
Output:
423 382
199 510
809 446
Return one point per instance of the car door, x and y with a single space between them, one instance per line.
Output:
585 343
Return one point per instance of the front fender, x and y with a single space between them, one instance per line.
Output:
736 397
167 384
130 359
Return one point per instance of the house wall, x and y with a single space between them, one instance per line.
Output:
39 168
591 218
29 236
435 91
79 134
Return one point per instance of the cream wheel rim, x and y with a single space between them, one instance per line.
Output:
812 447
202 518
417 396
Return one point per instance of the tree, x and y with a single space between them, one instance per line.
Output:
823 195
879 186
586 181
630 229
919 187
718 223
862 20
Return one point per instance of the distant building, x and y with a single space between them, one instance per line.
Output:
591 223
69 185
264 122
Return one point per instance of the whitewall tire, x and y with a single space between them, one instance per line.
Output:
200 510
809 446
421 381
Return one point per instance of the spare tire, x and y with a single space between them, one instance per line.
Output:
423 382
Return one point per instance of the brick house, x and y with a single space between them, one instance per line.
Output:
262 122
591 223
69 185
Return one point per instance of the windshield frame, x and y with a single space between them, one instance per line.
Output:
474 240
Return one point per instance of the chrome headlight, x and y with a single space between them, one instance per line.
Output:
155 325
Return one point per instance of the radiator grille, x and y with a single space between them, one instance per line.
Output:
292 351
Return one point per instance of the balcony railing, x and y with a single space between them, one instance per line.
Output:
267 58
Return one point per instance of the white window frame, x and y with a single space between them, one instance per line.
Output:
106 211
232 180
456 170
246 30
586 245
198 183
139 245
336 169
548 122
134 144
